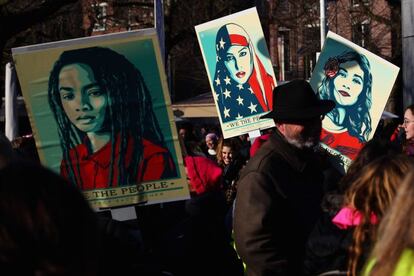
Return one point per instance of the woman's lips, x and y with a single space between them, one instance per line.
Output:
85 119
240 74
343 93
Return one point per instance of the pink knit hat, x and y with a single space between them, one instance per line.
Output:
204 174
212 136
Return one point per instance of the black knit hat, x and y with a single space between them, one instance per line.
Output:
295 101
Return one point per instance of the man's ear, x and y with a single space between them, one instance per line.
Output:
281 127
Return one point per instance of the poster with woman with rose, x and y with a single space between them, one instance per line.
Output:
359 83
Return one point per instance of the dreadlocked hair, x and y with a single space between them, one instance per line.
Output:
130 116
370 194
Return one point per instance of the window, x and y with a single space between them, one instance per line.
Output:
286 49
361 33
311 6
100 13
356 3
133 15
311 45
284 52
284 5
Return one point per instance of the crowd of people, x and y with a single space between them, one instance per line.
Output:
272 206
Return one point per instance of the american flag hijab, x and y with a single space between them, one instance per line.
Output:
242 87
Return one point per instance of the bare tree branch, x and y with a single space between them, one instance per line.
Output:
14 20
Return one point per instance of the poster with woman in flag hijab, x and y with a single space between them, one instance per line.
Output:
240 71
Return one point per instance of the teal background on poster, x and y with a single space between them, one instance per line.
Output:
142 54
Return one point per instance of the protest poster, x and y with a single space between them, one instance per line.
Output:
101 117
359 82
240 71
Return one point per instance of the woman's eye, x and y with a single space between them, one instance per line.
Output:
242 54
357 81
342 73
229 58
95 93
68 96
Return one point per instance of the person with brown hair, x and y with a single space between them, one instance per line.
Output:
365 203
327 246
230 160
227 149
393 253
406 131
371 150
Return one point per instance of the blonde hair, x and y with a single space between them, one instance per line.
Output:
396 231
372 193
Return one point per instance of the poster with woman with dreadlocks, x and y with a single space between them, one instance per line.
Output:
240 71
100 112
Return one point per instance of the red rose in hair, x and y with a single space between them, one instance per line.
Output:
331 67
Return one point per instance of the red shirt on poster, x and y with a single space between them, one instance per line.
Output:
94 169
342 142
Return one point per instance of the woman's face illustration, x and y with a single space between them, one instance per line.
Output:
238 62
348 83
82 99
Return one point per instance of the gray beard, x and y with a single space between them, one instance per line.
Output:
308 144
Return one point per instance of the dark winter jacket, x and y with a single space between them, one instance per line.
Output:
277 205
327 247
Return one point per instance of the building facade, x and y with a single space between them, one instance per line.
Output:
291 27
110 16
294 35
